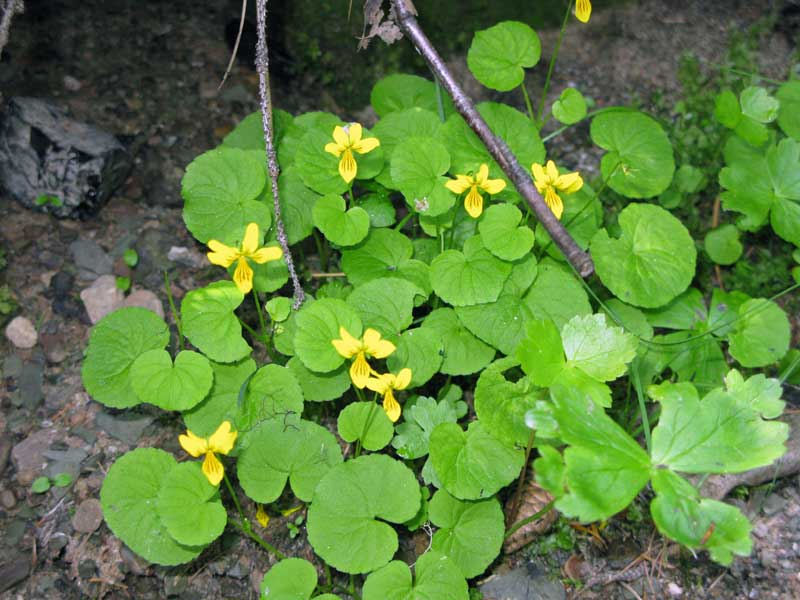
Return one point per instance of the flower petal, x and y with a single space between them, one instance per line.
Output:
493 186
347 166
583 10
553 201
474 203
378 384
251 239
222 439
243 276
193 444
375 346
402 379
213 469
333 148
483 174
263 255
552 171
391 406
221 255
569 183
347 346
359 371
366 145
459 185
261 516
354 133
341 138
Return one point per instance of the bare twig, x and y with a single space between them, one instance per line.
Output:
235 46
9 10
262 66
497 148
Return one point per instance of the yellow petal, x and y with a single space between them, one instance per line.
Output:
553 200
366 145
483 174
222 439
539 177
375 346
221 255
459 185
354 134
347 346
213 469
193 444
340 137
569 183
243 276
583 10
391 406
402 379
552 172
359 371
493 186
251 239
378 384
261 516
347 166
474 203
333 148
263 255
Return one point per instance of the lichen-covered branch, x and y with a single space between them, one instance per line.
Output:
262 66
497 148
9 10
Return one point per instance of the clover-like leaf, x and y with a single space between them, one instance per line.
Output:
221 404
367 422
556 294
723 245
302 452
317 326
570 107
114 345
210 323
420 350
343 525
639 162
760 393
189 506
502 234
499 55
463 352
600 351
220 191
473 276
129 498
652 261
472 464
762 334
272 392
320 387
340 226
178 386
470 533
436 577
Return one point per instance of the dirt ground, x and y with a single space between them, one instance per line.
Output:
148 73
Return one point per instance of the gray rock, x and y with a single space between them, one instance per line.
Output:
88 516
43 152
126 427
29 383
523 583
7 499
28 455
65 461
13 570
175 585
102 297
145 299
187 257
21 332
91 260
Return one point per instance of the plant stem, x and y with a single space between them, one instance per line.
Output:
403 221
261 321
235 498
527 101
511 530
521 483
552 64
637 385
322 249
244 524
249 329
175 314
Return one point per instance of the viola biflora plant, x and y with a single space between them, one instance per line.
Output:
452 345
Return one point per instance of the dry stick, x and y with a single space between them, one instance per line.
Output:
11 7
497 148
235 46
262 66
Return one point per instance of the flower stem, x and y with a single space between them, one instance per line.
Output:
521 523
261 321
527 101
521 483
403 221
552 64
244 524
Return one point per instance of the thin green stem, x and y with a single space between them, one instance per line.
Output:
511 530
261 321
176 316
561 130
527 100
637 384
748 73
235 499
244 524
787 372
247 327
552 64
439 100
403 221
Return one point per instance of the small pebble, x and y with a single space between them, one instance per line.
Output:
88 516
8 499
71 84
674 590
146 299
102 297
21 332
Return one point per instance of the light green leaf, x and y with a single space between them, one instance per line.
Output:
523 273
342 520
727 110
600 351
340 226
500 323
367 422
472 464
463 352
114 345
556 294
639 161
209 321
501 233
723 245
421 418
179 386
293 138
289 579
417 163
420 350
317 326
219 190
380 210
761 394
278 308
762 334
380 254
221 404
570 107
686 311
320 387
401 125
473 276
652 261
189 506
399 92
758 104
789 114
273 392
436 577
499 55
384 304
541 353
249 133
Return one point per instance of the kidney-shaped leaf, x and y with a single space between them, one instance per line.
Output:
189 506
317 326
210 323
499 55
436 577
178 386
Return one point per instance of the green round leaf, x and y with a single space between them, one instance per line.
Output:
420 350
293 138
344 228
556 294
62 480
500 323
181 386
639 161
417 163
297 202
473 276
249 133
789 114
399 92
762 334
463 352
273 392
219 191
727 110
302 452
114 345
279 308
384 304
523 273
221 404
398 126
652 261
189 506
436 577
365 421
723 245
380 210
210 323
40 485
501 233
289 579
472 464
499 55
343 525
570 107
129 498
470 533
758 104
380 254
320 387
317 326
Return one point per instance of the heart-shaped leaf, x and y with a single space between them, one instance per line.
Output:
340 226
189 506
210 323
179 386
499 55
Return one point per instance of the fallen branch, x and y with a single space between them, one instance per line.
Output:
498 149
9 10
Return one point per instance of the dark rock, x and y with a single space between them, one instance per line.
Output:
126 427
30 381
43 152
90 259
14 569
51 260
523 583
175 585
69 308
5 451
87 568
61 284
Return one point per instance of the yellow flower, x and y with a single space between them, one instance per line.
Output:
370 345
261 516
474 201
221 441
386 384
346 139
583 10
548 181
224 256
